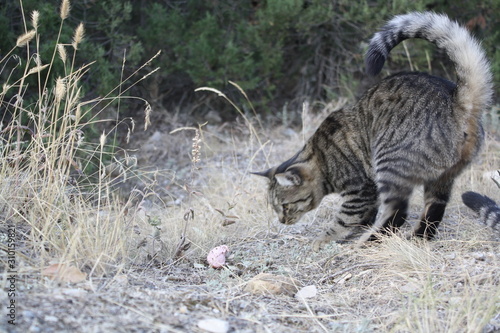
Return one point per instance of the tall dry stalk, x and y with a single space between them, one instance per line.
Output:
183 244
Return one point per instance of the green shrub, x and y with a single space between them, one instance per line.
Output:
278 51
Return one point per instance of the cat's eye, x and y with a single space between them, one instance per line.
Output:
285 208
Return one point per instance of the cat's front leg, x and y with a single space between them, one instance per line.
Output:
393 212
358 210
335 233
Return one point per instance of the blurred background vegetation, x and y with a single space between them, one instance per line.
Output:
281 52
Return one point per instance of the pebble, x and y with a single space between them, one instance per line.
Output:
214 325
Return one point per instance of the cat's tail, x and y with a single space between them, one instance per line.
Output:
486 208
474 78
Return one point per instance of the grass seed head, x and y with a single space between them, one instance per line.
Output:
34 19
25 38
147 116
37 69
78 36
62 52
102 140
196 148
60 89
65 8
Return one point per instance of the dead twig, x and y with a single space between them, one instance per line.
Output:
345 270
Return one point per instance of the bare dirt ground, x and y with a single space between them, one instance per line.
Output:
358 291
450 284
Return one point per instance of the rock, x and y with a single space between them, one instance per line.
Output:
74 292
450 256
64 273
51 319
307 292
479 256
214 325
265 283
217 256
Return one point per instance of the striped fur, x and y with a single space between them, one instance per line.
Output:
407 130
486 208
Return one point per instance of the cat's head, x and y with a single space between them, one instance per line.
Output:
292 192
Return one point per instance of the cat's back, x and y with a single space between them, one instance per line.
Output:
409 100
410 92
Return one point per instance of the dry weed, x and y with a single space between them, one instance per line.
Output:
62 212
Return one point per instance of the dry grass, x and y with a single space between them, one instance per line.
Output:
143 244
62 212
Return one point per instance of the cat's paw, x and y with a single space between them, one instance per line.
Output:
368 237
361 244
320 242
365 237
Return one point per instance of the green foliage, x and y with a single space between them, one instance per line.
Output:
5 31
277 50
109 37
116 41
43 79
210 47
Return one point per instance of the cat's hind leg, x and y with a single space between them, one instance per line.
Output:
436 195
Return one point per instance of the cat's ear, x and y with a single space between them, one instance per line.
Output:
292 177
288 178
269 174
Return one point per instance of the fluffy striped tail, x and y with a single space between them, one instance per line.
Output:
474 84
487 209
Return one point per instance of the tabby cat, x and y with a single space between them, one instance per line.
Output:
409 129
486 208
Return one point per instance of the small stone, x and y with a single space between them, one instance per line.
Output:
74 292
51 319
307 292
265 283
480 256
217 256
214 325
450 256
